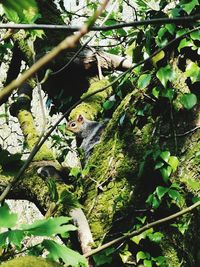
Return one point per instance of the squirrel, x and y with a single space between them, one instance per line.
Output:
86 131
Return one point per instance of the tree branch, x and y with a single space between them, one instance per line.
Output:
159 21
142 229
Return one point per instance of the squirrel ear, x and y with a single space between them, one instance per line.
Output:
80 118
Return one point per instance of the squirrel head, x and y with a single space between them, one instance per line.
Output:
75 125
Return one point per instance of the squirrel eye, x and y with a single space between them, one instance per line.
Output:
73 124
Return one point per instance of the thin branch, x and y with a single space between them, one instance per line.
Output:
142 229
159 21
83 46
39 144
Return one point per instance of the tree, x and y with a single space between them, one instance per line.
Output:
146 166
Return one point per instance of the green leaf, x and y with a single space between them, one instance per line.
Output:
175 195
141 255
168 93
159 56
3 239
75 171
171 28
195 35
20 11
190 6
193 72
144 81
15 237
188 100
165 155
185 43
7 219
165 172
159 165
161 191
165 74
155 202
108 104
69 257
104 257
156 237
50 226
147 263
136 239
160 261
173 162
155 92
125 255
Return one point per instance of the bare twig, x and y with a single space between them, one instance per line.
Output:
159 21
142 229
84 45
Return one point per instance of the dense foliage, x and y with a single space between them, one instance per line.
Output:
164 82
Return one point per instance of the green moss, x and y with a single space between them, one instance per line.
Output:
30 261
31 136
170 254
116 159
92 106
21 38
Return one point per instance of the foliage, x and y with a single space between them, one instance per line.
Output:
46 227
166 84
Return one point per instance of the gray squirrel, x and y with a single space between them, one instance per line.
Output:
89 132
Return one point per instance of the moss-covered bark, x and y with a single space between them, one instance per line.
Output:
30 261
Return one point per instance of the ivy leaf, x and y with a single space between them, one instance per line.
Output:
141 255
165 74
156 237
125 255
153 201
108 104
171 28
185 43
141 236
50 227
158 57
165 155
165 172
190 6
155 92
193 72
158 165
7 219
147 263
174 194
70 257
188 100
104 257
173 162
144 81
195 35
161 191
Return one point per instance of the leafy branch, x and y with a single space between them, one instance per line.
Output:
142 229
